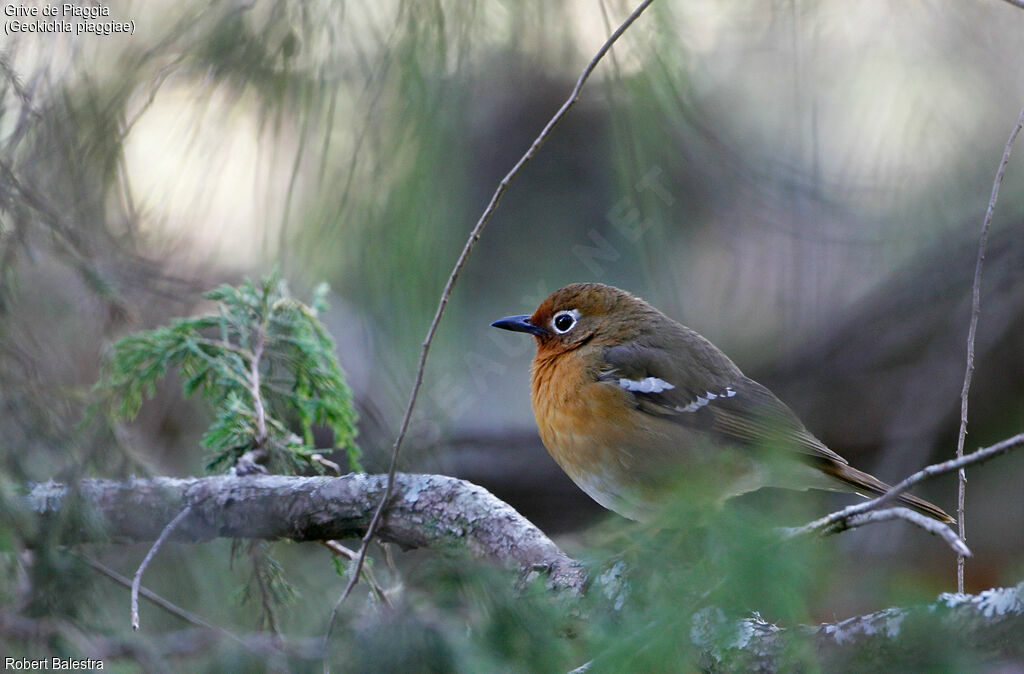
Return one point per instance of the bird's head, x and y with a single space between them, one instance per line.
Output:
578 314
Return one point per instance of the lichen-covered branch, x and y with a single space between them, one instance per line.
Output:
443 512
425 511
989 623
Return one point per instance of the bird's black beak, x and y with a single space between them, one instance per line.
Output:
519 324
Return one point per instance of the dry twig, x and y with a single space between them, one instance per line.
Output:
971 331
137 580
166 605
829 522
351 555
928 524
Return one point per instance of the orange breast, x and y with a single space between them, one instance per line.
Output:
591 429
627 460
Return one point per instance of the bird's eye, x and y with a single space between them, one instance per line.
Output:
564 321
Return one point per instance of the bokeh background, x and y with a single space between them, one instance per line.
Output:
802 182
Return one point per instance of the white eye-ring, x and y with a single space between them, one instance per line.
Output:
564 321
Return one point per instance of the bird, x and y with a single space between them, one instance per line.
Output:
631 404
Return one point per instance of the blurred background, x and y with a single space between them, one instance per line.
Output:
801 182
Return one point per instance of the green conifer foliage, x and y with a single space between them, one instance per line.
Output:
263 362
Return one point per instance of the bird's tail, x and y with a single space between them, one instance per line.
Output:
870 486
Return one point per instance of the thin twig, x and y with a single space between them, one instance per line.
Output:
971 332
980 456
137 580
166 605
351 555
928 524
474 236
326 463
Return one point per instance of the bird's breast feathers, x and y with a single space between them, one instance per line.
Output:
589 420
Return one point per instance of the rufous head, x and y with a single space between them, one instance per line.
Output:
580 313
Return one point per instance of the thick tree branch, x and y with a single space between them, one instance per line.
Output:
438 511
426 511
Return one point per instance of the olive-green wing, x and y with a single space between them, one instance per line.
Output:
706 391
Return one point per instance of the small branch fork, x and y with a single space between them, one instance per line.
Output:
900 513
854 516
474 236
961 514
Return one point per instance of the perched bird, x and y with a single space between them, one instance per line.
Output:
630 403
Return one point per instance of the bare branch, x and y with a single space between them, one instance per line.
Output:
326 463
474 236
980 456
166 605
427 511
351 555
928 524
137 580
971 332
